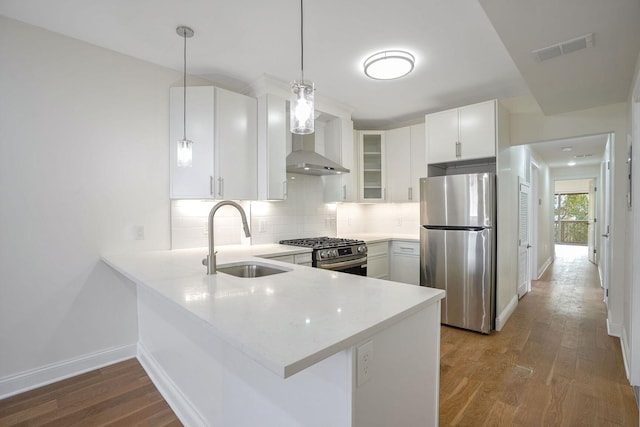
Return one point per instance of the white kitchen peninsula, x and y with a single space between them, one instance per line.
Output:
286 349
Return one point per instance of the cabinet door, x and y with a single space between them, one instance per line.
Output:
478 130
442 135
235 146
398 163
272 129
418 161
405 262
195 181
339 148
372 176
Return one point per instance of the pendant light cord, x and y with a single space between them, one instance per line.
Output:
184 92
302 40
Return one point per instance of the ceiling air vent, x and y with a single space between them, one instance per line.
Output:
564 48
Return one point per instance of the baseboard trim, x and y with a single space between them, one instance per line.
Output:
544 267
48 374
182 407
502 318
624 344
614 329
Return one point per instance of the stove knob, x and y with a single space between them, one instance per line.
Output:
362 249
334 252
323 254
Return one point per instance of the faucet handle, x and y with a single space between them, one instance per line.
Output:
204 262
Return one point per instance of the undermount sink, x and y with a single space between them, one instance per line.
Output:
250 269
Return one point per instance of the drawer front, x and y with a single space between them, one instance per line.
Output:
406 248
284 258
303 259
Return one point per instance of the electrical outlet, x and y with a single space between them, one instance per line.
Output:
262 226
364 362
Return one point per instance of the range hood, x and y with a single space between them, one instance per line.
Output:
303 159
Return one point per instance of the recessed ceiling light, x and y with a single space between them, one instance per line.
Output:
389 64
566 148
571 163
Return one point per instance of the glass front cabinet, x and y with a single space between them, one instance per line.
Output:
372 168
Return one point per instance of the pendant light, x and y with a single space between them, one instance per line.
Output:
185 146
301 108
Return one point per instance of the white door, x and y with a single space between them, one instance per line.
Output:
591 233
524 277
605 225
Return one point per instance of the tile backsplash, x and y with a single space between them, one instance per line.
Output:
394 218
303 214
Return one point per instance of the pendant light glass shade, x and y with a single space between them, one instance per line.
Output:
302 112
185 146
185 153
301 108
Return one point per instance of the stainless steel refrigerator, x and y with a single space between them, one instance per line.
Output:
457 246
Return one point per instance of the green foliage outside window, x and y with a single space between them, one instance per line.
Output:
571 218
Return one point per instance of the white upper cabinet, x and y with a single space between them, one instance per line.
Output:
193 182
418 160
236 146
463 133
223 128
406 162
398 163
338 146
272 148
371 157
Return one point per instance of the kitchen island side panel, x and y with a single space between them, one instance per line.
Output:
224 387
404 374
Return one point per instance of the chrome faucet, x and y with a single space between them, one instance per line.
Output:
210 260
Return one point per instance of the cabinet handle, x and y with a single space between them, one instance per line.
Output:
458 149
384 192
285 189
221 187
410 193
211 185
344 192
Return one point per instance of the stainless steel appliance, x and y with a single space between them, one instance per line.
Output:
332 253
457 247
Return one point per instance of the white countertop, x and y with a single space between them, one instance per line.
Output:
286 322
381 237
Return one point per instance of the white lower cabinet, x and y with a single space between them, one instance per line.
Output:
405 262
378 260
298 259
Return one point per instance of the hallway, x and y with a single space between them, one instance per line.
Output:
552 364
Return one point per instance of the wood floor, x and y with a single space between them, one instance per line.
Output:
118 395
553 363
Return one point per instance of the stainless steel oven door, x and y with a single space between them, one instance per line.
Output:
353 266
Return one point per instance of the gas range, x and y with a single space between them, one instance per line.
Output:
332 253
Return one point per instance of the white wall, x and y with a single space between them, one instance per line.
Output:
83 131
631 322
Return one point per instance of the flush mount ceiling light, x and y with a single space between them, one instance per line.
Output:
571 163
185 146
302 109
389 65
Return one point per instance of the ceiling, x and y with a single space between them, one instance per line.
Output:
460 58
583 79
584 151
